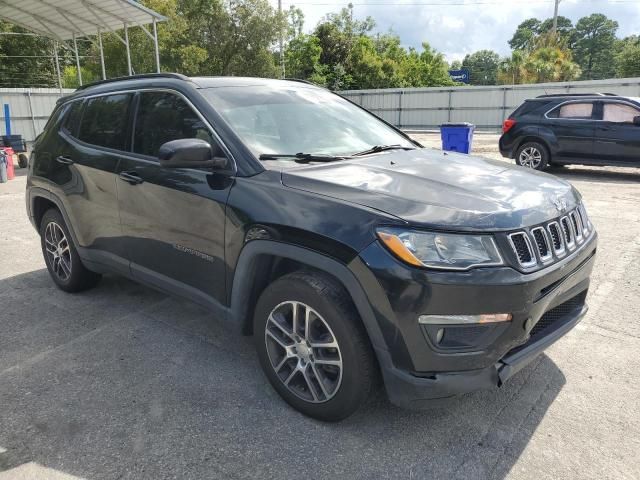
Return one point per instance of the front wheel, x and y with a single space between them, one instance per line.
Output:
532 155
313 347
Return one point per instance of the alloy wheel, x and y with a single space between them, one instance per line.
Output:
530 157
303 351
58 252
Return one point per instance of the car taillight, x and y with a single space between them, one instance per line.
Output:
508 123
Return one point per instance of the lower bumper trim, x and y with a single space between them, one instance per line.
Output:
412 392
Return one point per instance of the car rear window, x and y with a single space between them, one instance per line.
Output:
72 118
104 122
525 109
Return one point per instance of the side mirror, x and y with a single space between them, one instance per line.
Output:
190 153
636 120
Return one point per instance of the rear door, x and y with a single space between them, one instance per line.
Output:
93 141
574 125
617 137
173 218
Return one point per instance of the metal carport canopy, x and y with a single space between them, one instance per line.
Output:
69 19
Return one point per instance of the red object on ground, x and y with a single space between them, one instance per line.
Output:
10 154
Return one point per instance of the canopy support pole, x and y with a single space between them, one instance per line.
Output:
75 50
155 44
104 71
57 64
126 44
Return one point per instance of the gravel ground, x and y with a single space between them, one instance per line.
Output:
125 382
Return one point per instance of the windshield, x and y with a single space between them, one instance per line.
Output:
290 119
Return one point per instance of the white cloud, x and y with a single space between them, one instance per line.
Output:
479 24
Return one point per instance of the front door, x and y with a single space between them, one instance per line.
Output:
173 218
617 137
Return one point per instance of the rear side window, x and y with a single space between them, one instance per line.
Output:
619 113
525 109
163 117
72 118
581 111
104 122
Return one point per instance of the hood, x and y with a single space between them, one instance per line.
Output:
443 190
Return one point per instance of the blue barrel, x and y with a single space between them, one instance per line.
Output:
457 137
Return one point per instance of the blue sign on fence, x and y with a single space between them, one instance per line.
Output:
461 75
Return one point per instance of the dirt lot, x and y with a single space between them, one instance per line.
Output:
125 382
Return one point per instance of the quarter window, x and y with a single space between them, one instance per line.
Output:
576 111
163 117
104 122
619 113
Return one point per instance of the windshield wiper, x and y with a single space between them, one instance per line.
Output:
381 148
302 157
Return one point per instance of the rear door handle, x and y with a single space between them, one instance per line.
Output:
131 178
64 160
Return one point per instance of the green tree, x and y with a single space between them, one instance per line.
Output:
511 69
25 59
302 59
628 57
483 67
549 64
595 41
525 35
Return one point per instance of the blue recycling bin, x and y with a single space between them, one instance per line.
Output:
457 137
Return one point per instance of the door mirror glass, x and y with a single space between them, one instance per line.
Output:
190 153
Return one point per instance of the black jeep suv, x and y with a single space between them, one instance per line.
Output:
346 249
588 129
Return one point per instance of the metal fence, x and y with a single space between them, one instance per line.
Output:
29 109
408 108
486 107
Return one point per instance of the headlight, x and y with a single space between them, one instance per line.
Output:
447 251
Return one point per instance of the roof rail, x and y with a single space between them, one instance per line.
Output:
595 94
300 80
134 77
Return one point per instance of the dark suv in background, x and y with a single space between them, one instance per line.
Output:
342 246
587 129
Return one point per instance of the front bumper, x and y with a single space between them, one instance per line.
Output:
416 370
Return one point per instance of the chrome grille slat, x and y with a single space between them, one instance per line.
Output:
544 244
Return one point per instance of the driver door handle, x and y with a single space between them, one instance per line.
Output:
64 160
131 178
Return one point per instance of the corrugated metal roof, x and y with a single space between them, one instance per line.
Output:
62 19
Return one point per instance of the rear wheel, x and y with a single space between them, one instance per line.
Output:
532 155
312 346
60 255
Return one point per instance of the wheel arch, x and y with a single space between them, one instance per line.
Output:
263 261
533 138
41 200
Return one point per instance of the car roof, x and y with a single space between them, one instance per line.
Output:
594 96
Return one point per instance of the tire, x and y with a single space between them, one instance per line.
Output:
332 321
23 160
60 255
533 155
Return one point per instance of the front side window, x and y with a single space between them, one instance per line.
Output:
163 117
619 113
582 111
104 122
287 119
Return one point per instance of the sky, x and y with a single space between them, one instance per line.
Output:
458 27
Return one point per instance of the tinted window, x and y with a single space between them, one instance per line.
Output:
619 113
576 110
72 118
104 122
163 117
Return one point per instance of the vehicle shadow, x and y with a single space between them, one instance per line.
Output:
124 381
597 174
